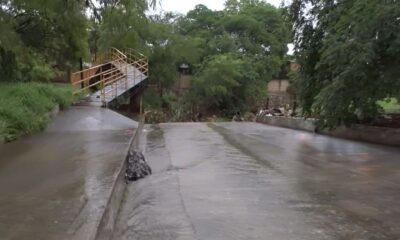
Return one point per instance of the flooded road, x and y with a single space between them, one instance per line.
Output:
252 181
54 185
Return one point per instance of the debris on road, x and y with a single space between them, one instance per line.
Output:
137 167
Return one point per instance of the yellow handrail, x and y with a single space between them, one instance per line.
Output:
109 77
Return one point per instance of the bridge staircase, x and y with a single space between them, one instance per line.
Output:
113 73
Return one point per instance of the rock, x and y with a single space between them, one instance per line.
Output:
137 167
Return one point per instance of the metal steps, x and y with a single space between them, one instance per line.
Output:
118 73
132 77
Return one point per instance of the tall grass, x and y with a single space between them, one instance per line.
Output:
391 105
24 107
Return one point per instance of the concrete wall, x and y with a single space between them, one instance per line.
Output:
183 82
277 94
278 100
294 123
379 135
293 67
275 86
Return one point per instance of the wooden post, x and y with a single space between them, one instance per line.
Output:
102 91
126 76
69 76
294 107
134 75
141 105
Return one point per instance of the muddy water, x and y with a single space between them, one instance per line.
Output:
250 181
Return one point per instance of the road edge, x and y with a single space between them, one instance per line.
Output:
361 133
106 226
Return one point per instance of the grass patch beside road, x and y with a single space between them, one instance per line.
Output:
24 107
390 106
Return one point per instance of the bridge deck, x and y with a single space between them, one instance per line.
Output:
128 69
251 181
133 78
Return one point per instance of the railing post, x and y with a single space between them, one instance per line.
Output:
126 76
134 76
69 76
111 79
115 89
86 84
102 90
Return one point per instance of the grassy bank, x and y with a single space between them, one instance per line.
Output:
24 107
391 105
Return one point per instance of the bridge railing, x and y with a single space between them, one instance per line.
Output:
107 56
102 75
138 60
110 70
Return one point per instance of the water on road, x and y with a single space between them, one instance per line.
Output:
55 185
252 181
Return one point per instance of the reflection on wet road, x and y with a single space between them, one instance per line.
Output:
251 181
55 184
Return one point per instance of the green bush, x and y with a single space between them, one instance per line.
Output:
155 117
249 117
24 107
391 105
152 99
38 70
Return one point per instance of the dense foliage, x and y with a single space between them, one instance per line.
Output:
40 38
348 50
237 49
232 53
122 25
168 50
349 56
37 37
228 84
24 107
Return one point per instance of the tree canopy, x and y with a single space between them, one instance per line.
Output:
41 37
37 35
228 84
240 48
349 57
232 53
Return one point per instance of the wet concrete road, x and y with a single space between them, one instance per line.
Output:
55 184
252 181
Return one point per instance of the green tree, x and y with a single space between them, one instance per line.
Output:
119 23
37 36
349 57
124 25
228 84
243 47
245 28
168 50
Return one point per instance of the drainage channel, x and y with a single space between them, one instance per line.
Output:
133 169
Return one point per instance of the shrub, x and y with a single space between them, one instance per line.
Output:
391 105
155 116
24 107
249 117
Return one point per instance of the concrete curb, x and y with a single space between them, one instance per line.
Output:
377 135
106 226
